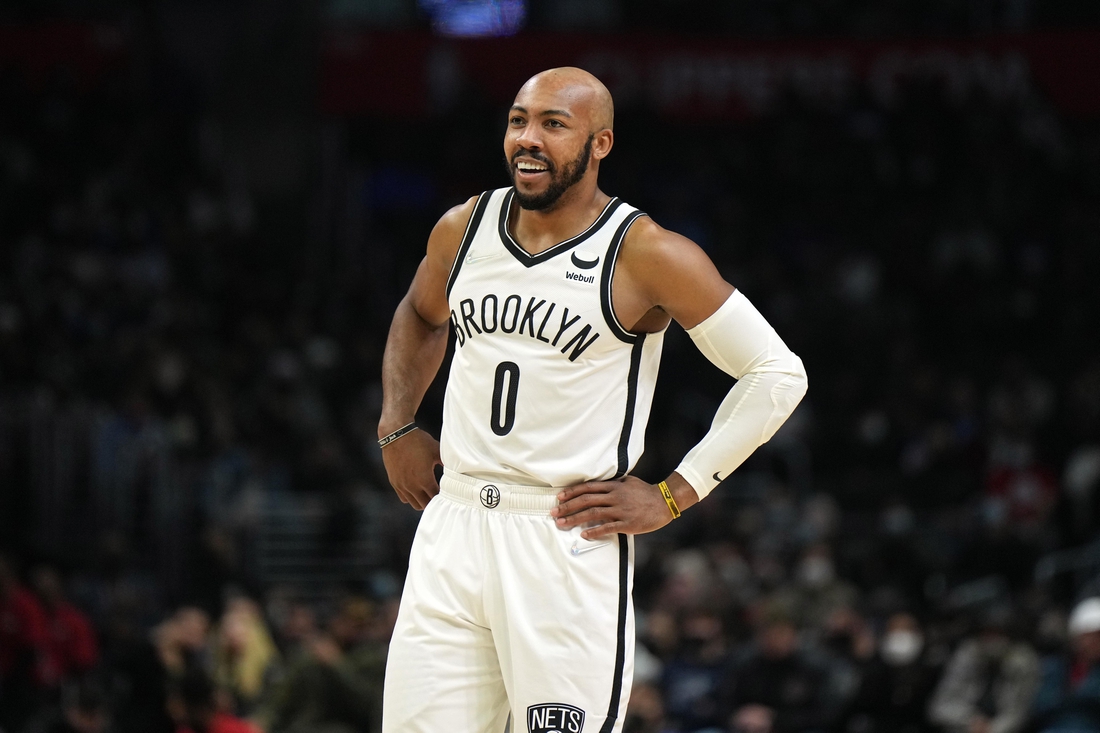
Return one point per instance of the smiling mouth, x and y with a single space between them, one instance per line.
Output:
531 168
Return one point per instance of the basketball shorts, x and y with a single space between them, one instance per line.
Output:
503 614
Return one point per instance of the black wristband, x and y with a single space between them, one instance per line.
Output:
399 433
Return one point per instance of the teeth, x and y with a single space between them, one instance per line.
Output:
530 167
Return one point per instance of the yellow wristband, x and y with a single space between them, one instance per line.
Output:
667 493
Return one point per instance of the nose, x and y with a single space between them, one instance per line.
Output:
529 137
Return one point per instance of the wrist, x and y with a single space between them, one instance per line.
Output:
388 424
683 493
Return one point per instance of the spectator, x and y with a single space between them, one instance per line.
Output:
896 684
193 707
335 684
298 624
147 667
25 663
989 682
1068 700
848 647
693 679
646 713
776 687
245 657
817 592
72 641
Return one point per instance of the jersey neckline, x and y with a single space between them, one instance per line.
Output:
526 258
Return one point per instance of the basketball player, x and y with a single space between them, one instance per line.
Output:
517 599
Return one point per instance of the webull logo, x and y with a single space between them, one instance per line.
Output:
579 277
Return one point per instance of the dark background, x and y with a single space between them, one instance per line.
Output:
208 212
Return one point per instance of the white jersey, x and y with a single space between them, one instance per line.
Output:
546 387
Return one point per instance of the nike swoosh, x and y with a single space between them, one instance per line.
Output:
584 264
470 259
577 549
716 477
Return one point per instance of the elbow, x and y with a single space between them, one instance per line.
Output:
792 388
798 375
794 382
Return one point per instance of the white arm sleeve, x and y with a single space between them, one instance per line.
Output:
771 382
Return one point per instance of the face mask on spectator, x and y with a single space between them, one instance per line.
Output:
816 572
901 647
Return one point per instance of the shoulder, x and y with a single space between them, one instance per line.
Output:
649 251
670 272
454 220
446 236
647 238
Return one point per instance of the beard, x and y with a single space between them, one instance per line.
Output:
560 182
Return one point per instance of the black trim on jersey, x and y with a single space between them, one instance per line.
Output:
631 399
617 328
526 258
620 636
468 238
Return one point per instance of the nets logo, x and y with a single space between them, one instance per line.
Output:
490 496
554 717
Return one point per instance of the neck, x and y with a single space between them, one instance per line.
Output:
574 212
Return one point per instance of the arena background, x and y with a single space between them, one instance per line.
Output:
209 210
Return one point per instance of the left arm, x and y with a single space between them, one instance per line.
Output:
661 275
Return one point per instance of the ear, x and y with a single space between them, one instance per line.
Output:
602 143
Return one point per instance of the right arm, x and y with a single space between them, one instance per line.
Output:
414 352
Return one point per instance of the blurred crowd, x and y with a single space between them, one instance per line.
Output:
272 668
914 551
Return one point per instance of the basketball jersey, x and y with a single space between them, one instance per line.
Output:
546 387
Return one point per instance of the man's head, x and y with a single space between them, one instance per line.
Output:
1084 630
903 641
194 627
559 128
350 623
778 638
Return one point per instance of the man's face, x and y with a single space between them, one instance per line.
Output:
548 144
1087 646
559 180
779 640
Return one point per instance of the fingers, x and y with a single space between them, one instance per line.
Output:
589 487
424 496
605 529
410 464
418 496
582 496
593 515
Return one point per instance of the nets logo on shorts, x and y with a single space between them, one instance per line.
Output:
490 496
554 717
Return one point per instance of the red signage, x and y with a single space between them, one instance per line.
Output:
403 74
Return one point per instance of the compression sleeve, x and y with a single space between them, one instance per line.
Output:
771 381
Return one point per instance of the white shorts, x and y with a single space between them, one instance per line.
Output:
503 612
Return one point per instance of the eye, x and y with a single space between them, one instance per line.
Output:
516 120
554 123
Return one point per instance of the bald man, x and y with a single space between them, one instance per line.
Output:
517 600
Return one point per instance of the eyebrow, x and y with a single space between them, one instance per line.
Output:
546 113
